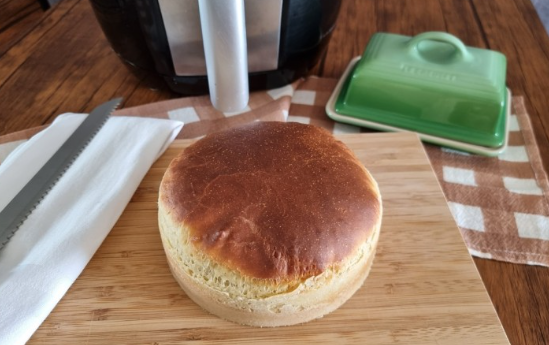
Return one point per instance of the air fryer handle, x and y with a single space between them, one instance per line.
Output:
224 36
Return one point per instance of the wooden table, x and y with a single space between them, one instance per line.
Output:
59 61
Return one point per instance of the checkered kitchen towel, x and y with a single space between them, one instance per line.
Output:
500 204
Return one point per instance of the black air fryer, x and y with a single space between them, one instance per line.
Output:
235 44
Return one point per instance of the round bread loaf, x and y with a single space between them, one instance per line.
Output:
269 224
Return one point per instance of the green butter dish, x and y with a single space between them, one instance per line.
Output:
450 94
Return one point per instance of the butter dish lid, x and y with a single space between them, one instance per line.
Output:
431 83
430 138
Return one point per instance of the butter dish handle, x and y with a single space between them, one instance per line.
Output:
440 37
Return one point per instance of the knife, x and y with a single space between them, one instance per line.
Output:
21 206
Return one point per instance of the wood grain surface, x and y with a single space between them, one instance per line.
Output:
17 18
59 61
423 287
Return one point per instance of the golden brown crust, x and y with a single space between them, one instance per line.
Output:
271 200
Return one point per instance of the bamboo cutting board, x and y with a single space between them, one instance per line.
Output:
423 287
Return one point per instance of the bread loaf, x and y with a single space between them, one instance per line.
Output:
269 224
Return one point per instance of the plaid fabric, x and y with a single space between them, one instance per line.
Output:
501 204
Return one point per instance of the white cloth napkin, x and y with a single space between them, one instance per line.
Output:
52 247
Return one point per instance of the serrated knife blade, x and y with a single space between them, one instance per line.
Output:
21 206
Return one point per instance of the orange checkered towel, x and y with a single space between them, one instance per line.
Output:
500 204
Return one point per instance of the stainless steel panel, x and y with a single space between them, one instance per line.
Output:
182 23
